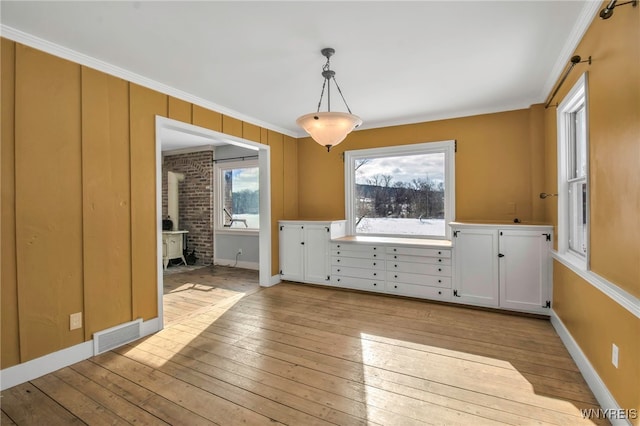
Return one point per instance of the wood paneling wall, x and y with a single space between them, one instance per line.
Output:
48 172
78 198
106 201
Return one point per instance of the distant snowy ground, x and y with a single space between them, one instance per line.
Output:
389 225
253 220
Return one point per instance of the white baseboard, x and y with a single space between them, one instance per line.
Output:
605 399
30 370
244 265
46 364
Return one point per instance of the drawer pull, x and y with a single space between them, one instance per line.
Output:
395 276
395 286
375 255
439 252
338 252
439 269
338 260
395 257
338 279
375 248
395 266
374 274
439 292
338 270
375 284
439 260
395 249
438 280
374 263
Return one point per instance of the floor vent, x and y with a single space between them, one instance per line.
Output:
113 337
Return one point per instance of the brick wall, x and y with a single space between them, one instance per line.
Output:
195 199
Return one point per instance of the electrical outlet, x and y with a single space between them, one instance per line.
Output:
239 251
614 355
75 321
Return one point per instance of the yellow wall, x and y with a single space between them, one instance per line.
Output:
78 200
594 320
494 166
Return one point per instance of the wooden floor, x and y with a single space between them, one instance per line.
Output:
303 355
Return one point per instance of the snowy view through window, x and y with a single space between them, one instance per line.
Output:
401 195
241 197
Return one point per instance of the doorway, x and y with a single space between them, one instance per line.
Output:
173 134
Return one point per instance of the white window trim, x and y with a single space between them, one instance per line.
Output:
218 215
447 147
576 96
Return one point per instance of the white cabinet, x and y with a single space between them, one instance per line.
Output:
358 266
385 265
476 266
506 266
304 249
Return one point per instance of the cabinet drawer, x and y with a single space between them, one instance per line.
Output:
418 279
358 283
358 254
418 268
357 262
419 291
420 259
372 274
357 247
416 251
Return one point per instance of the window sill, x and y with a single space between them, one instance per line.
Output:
237 231
617 294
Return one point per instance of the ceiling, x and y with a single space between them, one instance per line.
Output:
396 62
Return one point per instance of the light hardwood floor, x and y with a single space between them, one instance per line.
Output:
303 355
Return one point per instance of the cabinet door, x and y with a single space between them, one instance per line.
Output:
291 252
476 266
524 280
316 254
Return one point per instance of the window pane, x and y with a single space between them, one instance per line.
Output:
400 195
578 143
241 197
578 217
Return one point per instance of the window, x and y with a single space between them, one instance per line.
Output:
573 174
238 196
401 191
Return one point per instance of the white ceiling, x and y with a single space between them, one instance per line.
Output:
396 62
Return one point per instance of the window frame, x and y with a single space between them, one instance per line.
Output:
448 147
576 99
220 167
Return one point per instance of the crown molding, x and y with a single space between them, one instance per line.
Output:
583 22
86 60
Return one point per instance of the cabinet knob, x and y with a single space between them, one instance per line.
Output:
375 248
395 257
395 276
302 243
438 280
374 274
439 292
338 279
395 249
338 246
395 286
439 269
338 270
395 266
338 252
439 252
374 263
338 260
375 284
375 255
439 260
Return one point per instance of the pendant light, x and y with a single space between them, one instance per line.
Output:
329 128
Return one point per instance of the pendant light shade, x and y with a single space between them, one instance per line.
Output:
329 128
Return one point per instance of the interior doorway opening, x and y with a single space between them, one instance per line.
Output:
174 136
